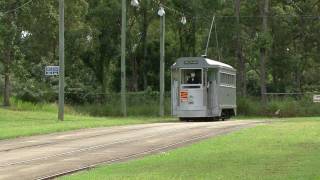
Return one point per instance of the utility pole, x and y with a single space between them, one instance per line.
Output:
61 60
123 58
161 13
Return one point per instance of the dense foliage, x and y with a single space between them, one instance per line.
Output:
286 33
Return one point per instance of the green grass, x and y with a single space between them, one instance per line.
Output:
14 123
288 149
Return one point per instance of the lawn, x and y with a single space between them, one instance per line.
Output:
289 149
14 123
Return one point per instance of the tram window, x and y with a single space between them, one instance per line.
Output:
191 76
227 79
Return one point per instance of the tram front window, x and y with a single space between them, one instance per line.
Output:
191 76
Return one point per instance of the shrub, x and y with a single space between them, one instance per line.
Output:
248 106
286 106
138 104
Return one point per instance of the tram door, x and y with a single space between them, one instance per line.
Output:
175 91
212 91
191 89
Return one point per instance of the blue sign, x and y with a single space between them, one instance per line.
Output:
52 70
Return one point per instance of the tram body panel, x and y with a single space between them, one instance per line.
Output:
227 89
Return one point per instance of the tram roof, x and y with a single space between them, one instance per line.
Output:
199 62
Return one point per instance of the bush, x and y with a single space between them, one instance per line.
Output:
248 106
138 104
285 106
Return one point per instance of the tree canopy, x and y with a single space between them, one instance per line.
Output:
274 45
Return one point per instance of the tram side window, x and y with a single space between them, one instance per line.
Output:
227 79
191 76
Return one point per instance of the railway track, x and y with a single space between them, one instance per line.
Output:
73 139
92 148
72 155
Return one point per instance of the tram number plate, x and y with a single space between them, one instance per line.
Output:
184 96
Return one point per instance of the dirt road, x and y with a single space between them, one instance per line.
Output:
47 156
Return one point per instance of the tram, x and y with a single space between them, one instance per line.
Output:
202 88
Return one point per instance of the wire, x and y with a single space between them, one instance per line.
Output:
217 40
157 2
273 16
209 37
17 8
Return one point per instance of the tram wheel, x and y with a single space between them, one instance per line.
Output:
184 119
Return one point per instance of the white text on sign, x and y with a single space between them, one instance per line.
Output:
52 70
316 98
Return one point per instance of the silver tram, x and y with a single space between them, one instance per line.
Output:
202 88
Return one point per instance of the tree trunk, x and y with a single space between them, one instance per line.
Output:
6 92
135 75
8 52
145 26
181 42
194 38
263 52
103 77
144 61
241 76
263 75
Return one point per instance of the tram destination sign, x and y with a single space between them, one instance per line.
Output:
191 62
52 70
316 98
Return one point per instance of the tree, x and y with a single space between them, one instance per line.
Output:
8 34
263 50
241 66
277 52
104 21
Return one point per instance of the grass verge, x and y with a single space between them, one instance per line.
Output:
15 123
284 150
